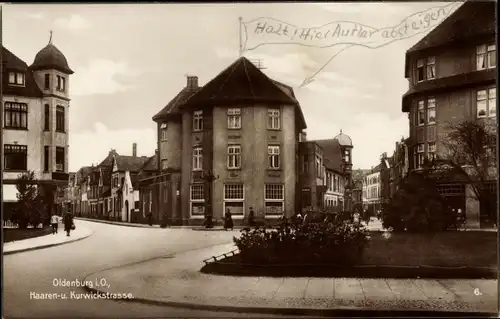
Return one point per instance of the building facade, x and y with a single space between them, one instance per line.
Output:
452 78
231 144
35 119
372 200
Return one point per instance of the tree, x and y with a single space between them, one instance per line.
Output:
417 206
28 207
471 147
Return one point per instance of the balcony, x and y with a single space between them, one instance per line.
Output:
60 176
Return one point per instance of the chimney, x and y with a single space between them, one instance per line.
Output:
134 150
113 152
192 82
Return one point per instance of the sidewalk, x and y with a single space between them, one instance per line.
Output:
177 281
80 232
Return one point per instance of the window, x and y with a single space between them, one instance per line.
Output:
47 81
431 151
46 158
273 154
197 158
319 166
197 200
60 119
347 156
421 113
60 159
163 129
16 115
486 57
15 157
164 164
431 111
61 83
150 200
431 68
46 118
234 196
305 164
419 157
234 156
306 197
234 118
198 121
273 117
486 103
426 69
17 78
274 198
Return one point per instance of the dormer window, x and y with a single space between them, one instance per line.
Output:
17 78
61 84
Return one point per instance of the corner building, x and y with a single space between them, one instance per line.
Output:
242 127
35 111
452 78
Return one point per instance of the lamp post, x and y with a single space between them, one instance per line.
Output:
209 176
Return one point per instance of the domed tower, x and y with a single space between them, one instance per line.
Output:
51 72
346 146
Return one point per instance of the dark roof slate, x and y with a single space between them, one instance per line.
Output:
11 62
173 107
130 163
50 57
332 154
471 19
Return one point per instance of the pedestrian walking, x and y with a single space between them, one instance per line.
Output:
54 222
150 219
228 220
251 218
68 223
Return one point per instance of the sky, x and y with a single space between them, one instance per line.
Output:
131 60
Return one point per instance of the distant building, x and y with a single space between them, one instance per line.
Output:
452 77
372 200
35 120
324 172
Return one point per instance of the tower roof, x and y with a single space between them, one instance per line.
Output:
50 57
343 139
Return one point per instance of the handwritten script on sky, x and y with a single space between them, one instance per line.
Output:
269 31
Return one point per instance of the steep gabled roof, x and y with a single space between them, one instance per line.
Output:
471 19
130 163
173 107
332 153
11 62
241 82
83 172
108 161
151 164
106 172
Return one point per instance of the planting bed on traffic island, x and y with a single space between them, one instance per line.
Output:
344 250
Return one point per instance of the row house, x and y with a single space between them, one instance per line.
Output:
372 200
124 196
452 77
230 144
35 121
394 169
323 172
81 184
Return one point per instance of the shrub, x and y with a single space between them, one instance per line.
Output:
332 242
417 207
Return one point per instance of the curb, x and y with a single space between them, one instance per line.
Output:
45 246
340 311
116 224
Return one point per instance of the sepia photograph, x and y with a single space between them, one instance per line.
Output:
249 160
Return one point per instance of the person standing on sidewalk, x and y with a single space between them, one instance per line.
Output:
251 218
68 223
54 221
228 220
